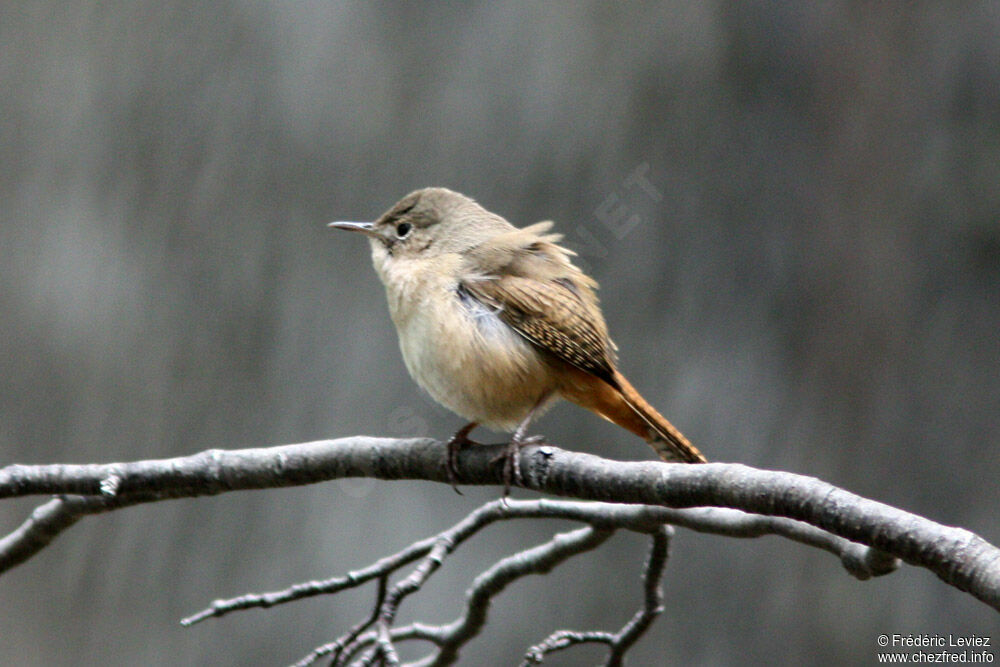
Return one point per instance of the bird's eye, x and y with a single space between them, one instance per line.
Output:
402 229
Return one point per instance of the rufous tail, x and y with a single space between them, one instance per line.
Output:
623 405
663 436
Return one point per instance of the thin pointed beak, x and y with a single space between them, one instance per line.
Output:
363 227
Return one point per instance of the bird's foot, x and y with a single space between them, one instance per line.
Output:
511 459
456 444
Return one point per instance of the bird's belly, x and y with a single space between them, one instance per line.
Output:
473 363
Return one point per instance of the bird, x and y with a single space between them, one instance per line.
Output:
496 323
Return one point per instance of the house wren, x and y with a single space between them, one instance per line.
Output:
495 323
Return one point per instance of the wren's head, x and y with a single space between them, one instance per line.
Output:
426 224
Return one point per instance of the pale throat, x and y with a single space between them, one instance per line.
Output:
411 283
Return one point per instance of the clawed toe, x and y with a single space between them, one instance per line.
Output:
511 459
456 444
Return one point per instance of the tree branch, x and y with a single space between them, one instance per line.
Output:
639 518
451 637
957 556
602 518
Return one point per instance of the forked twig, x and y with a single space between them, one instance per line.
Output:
619 642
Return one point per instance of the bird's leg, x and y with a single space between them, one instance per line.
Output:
511 453
458 442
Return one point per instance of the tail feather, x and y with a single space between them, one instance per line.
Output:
669 443
621 404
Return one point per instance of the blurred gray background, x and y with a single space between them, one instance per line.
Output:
793 210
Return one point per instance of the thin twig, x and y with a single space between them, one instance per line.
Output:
336 647
378 569
537 560
564 639
620 642
652 600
